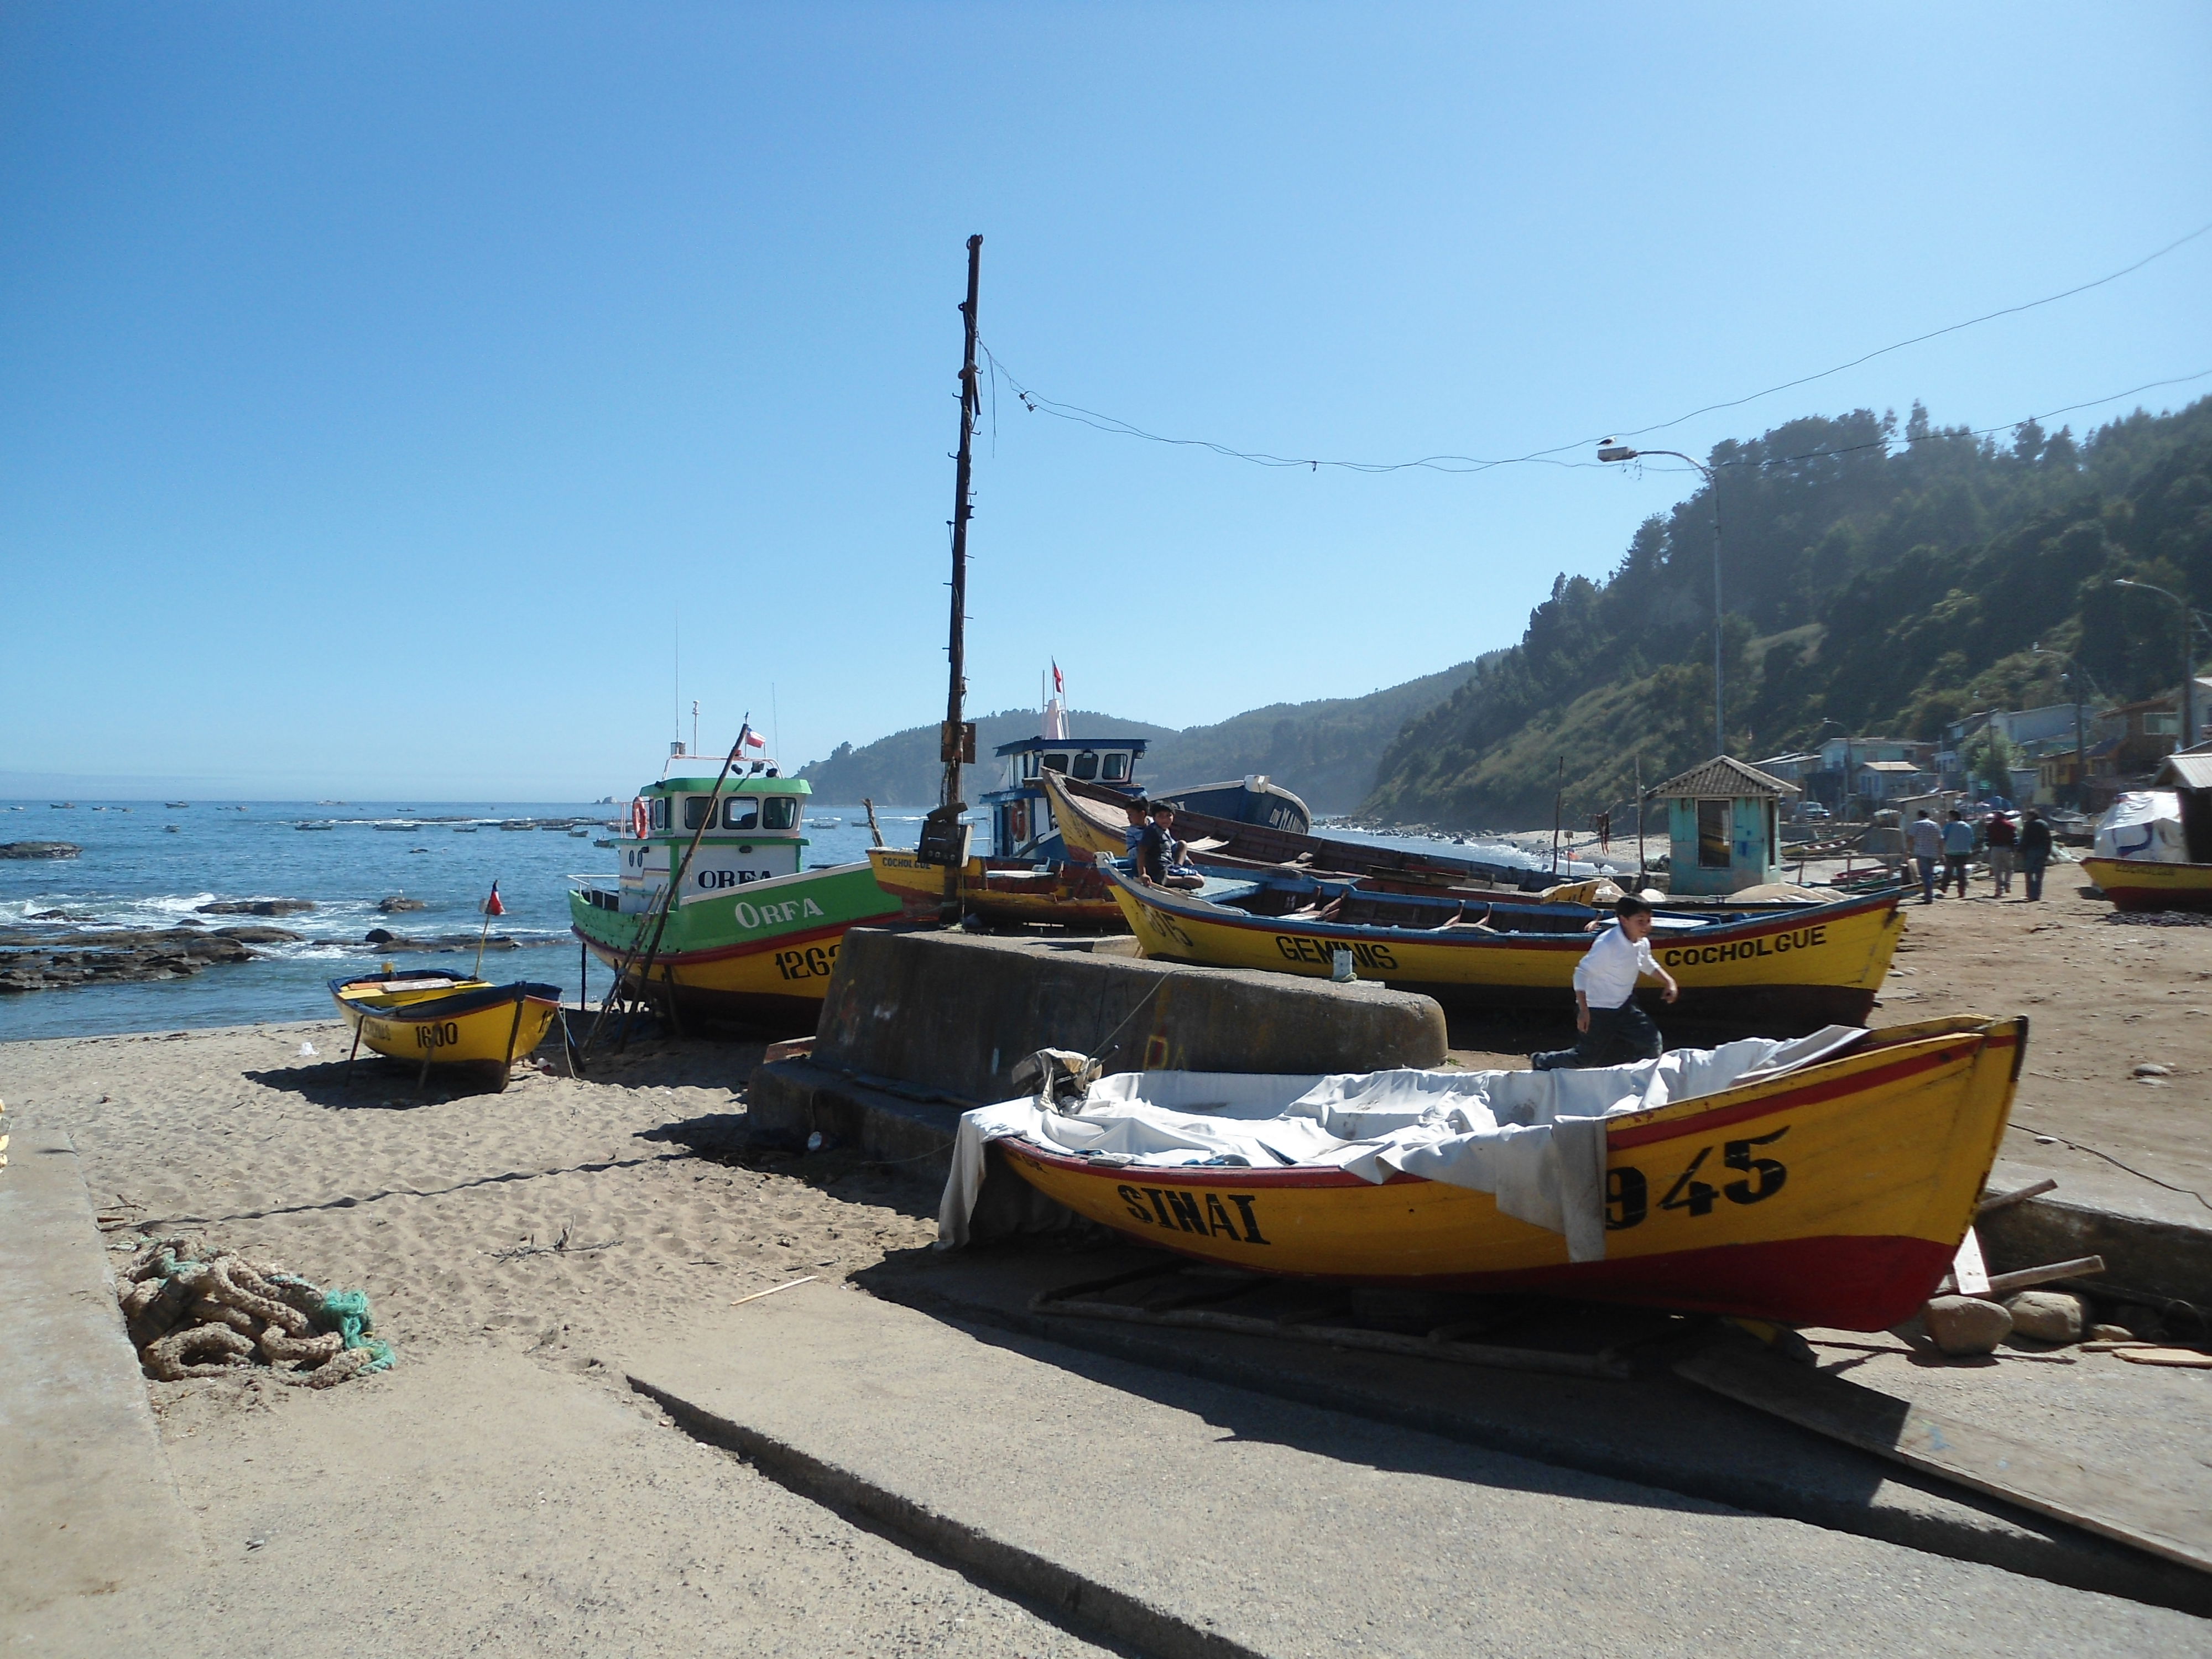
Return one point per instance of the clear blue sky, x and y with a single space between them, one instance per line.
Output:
380 387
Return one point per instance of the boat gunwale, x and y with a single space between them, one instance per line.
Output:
1696 1116
1842 909
433 1008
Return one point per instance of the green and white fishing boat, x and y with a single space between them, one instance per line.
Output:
751 933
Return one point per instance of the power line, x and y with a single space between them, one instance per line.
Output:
1970 432
1037 403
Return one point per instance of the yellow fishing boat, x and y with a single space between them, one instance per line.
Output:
1834 1192
1806 964
1010 890
2151 884
424 1016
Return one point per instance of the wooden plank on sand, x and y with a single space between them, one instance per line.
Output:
2020 1472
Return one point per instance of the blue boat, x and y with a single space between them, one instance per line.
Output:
1022 823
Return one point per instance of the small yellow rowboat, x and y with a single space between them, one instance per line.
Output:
432 1018
2151 884
1831 1194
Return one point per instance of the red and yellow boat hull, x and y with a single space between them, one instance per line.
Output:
2151 885
1836 1195
1001 890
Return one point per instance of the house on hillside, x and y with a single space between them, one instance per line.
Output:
1882 783
2147 732
1835 782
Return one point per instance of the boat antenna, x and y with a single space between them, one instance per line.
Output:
695 726
941 842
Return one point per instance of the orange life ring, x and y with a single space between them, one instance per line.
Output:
640 821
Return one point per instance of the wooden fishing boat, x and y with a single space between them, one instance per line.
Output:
1013 891
1091 818
422 1015
2151 884
1834 1194
746 933
1800 966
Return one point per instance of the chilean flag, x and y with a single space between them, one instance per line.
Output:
754 741
1057 684
492 907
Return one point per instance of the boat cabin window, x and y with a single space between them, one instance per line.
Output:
741 812
660 811
1086 767
1057 764
697 809
1114 768
779 812
1712 834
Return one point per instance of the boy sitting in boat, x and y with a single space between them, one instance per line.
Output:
1160 855
1614 1030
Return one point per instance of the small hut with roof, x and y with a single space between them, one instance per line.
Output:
1723 822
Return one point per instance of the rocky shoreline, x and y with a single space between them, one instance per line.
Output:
46 959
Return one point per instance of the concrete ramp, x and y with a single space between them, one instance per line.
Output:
1190 1521
89 1513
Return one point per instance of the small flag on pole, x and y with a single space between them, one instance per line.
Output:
1058 683
492 907
754 741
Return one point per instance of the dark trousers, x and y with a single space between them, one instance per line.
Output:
1955 869
1616 1036
2031 870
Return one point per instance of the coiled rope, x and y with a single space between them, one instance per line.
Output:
196 1310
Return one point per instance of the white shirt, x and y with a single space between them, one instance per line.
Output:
1607 974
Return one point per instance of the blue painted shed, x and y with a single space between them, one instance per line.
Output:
1724 827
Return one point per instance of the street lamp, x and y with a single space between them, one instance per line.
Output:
2075 675
2188 672
1610 450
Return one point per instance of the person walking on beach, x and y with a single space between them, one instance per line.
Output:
1926 839
2003 839
1957 851
1614 1030
2034 852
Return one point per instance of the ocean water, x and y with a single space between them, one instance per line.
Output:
135 872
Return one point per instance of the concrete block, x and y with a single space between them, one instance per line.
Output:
952 1013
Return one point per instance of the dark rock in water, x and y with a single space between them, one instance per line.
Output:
385 940
255 907
61 916
258 935
397 902
40 849
42 959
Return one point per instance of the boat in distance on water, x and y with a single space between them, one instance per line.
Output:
751 934
1792 967
1833 1192
423 1016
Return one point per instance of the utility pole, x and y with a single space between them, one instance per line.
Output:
941 841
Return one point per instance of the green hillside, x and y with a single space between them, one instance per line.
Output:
1325 751
1882 582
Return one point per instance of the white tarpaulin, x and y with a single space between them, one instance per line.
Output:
2143 823
1533 1138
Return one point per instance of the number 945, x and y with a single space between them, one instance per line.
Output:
1627 1195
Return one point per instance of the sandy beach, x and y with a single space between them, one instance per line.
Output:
499 1490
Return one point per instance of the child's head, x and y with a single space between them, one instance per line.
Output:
1162 812
1140 809
1633 915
